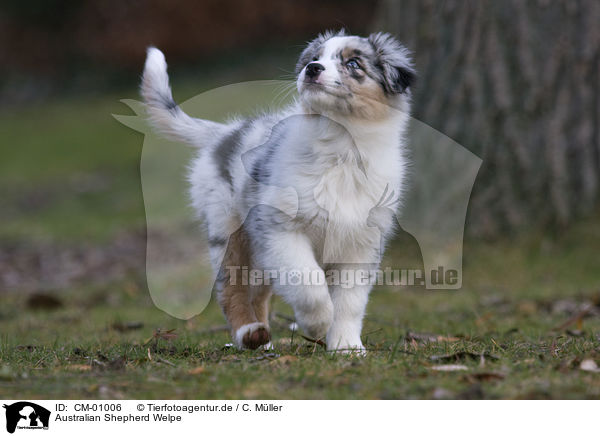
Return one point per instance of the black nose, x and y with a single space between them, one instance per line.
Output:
314 69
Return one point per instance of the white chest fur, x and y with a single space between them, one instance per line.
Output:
340 177
349 190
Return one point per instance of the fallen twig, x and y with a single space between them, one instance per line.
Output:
315 341
577 318
159 359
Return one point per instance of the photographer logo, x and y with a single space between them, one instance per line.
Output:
24 415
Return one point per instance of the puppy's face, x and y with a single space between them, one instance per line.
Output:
354 76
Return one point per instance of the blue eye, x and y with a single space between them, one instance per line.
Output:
353 64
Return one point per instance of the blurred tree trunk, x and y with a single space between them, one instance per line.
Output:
517 83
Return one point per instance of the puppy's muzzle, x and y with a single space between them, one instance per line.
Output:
313 70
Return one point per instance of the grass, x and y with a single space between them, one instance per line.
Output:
84 350
69 178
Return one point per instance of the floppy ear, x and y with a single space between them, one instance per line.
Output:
394 63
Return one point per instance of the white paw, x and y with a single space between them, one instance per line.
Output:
345 345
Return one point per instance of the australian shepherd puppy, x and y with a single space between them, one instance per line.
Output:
339 146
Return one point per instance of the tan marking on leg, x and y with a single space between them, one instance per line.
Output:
236 299
260 303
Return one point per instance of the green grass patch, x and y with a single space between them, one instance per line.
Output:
511 339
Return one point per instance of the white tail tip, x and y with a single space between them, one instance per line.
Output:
155 60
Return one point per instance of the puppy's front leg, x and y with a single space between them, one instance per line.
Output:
292 254
349 304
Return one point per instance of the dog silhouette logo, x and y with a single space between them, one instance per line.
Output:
26 415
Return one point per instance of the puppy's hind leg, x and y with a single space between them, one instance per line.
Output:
236 298
261 298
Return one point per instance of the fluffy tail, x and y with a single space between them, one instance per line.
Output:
164 113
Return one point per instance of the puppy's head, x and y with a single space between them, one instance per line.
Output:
354 76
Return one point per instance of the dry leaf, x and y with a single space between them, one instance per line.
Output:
589 365
168 335
449 368
159 334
